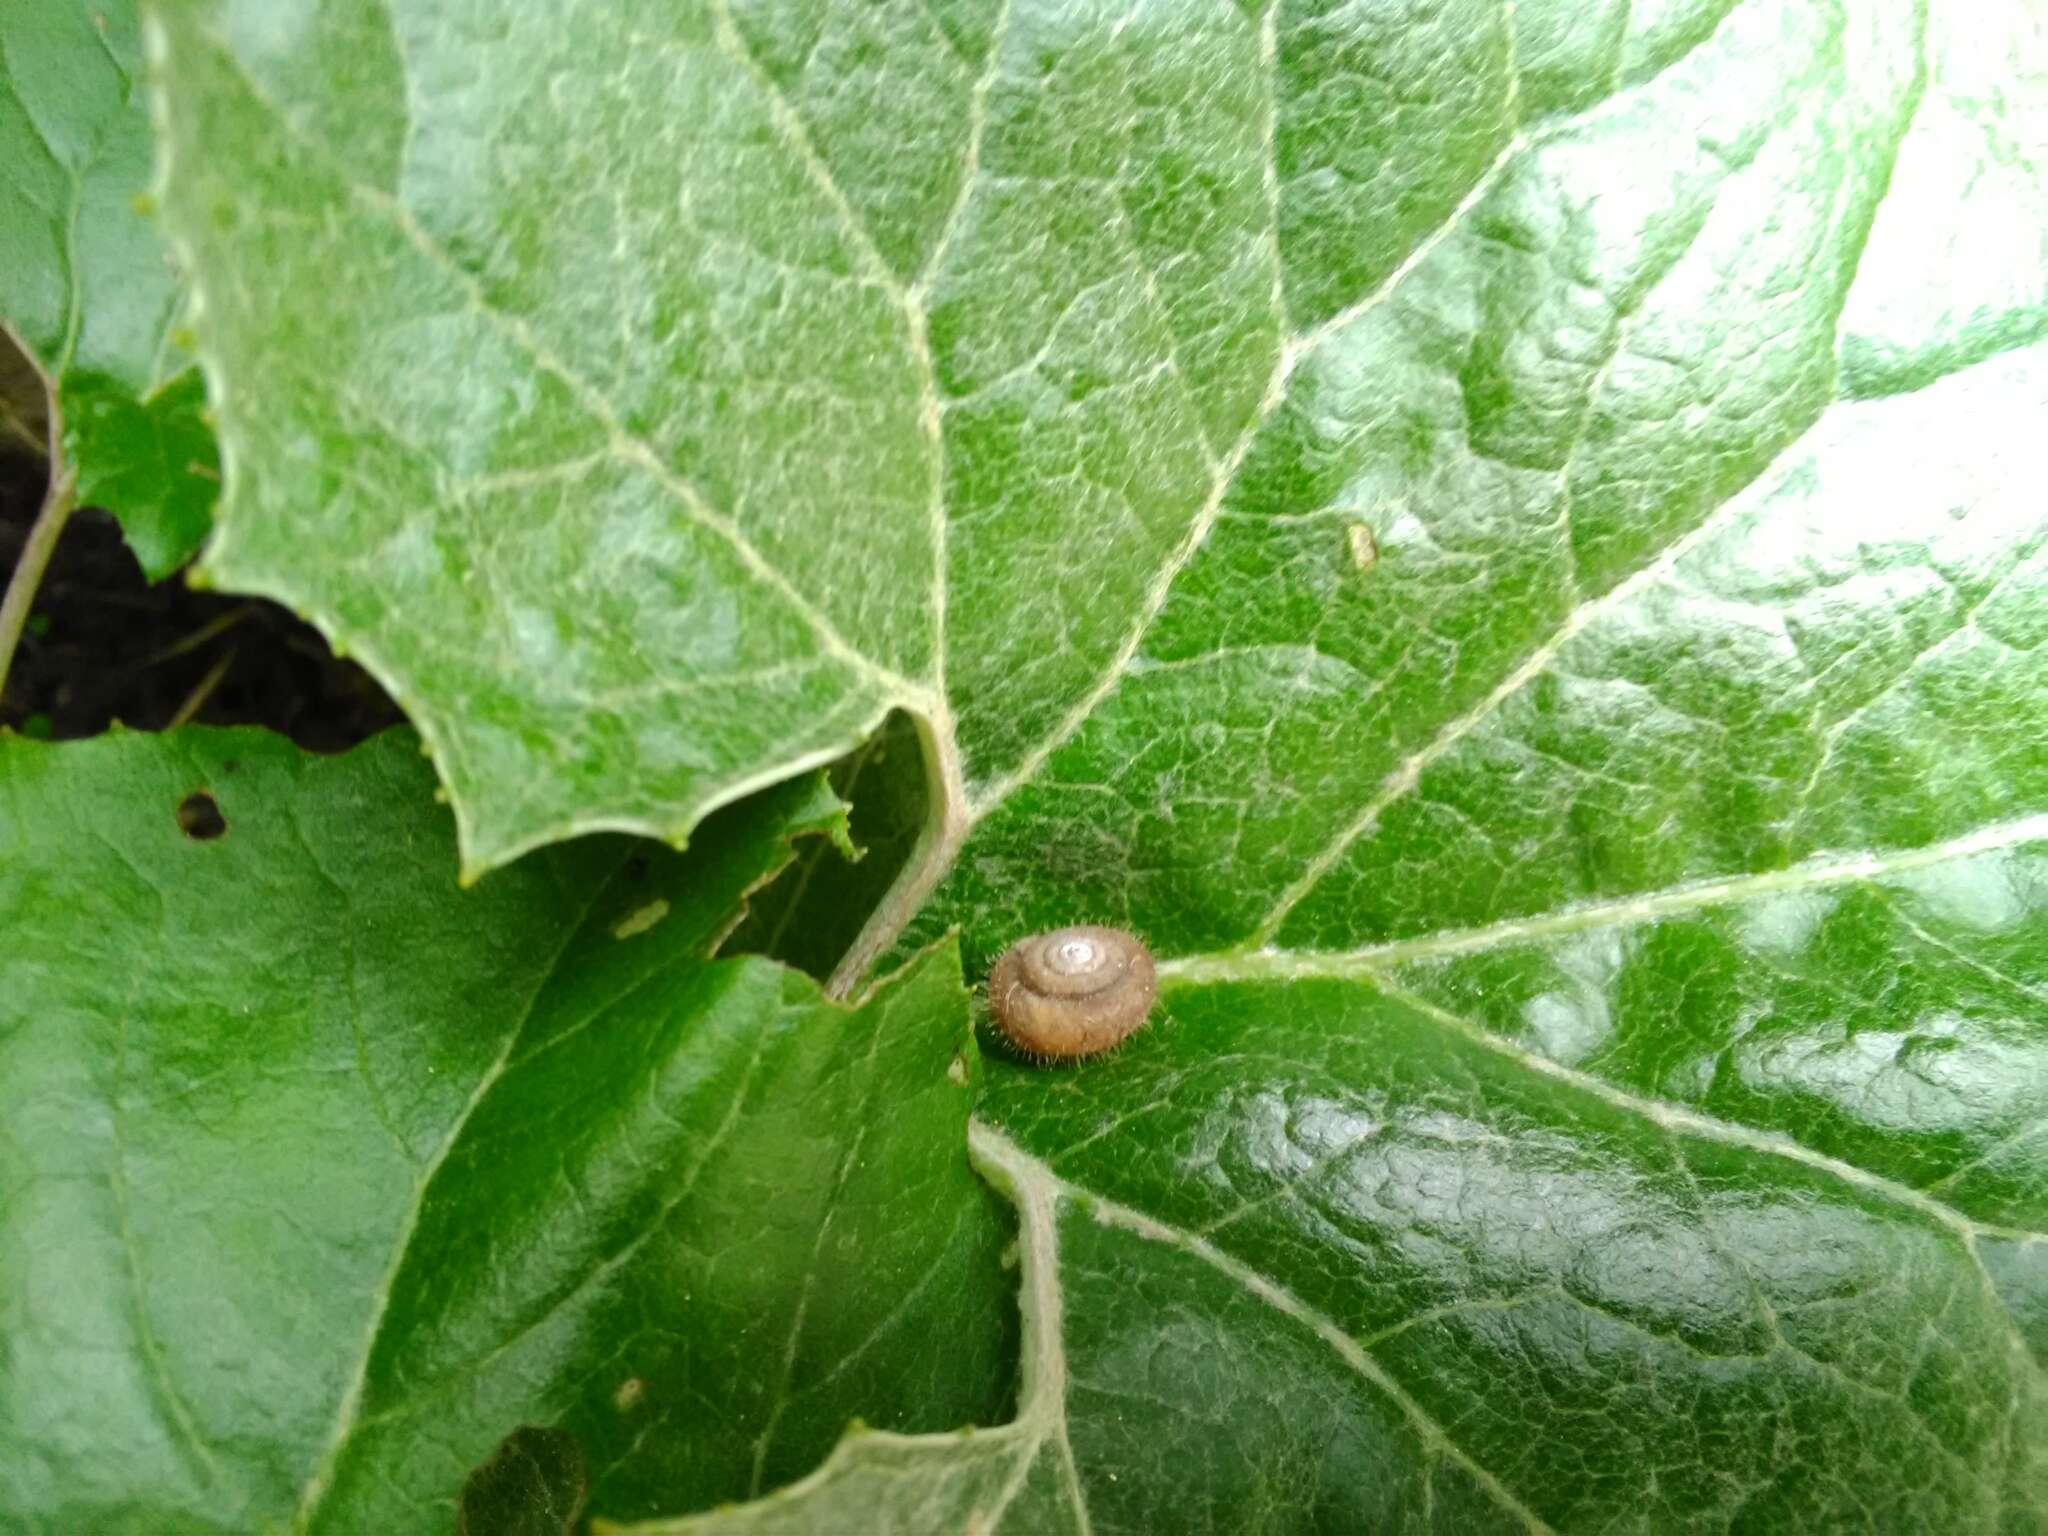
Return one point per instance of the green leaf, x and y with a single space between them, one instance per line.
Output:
1952 274
1502 539
1372 1241
322 1177
1595 653
944 424
1573 1314
665 616
84 284
150 460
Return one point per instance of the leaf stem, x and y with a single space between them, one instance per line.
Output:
35 554
13 426
938 844
196 699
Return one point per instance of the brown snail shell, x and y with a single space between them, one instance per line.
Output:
1072 992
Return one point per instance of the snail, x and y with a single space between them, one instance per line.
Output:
1072 992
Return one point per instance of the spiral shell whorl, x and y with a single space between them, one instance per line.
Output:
1072 992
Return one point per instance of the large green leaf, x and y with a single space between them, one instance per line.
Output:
920 357
1563 1311
1661 1218
1592 653
319 1176
1502 538
84 284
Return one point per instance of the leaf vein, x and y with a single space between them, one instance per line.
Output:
350 1404
1825 870
1677 1119
179 1411
627 445
1275 1296
849 1156
1404 779
1291 354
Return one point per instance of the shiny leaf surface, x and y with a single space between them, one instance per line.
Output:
321 1177
1502 539
1606 1020
929 357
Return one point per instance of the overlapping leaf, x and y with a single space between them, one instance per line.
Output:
1499 537
320 1177
84 283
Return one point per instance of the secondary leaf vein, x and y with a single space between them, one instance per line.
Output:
629 446
1273 1295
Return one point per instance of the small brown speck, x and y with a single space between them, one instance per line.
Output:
1365 550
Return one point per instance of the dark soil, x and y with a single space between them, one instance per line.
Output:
104 645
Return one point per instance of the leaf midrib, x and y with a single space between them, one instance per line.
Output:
991 1144
349 1408
1375 965
1265 961
1037 1177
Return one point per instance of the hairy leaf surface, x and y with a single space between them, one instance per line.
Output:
84 283
1503 539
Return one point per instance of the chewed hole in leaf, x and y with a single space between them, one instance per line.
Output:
199 817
